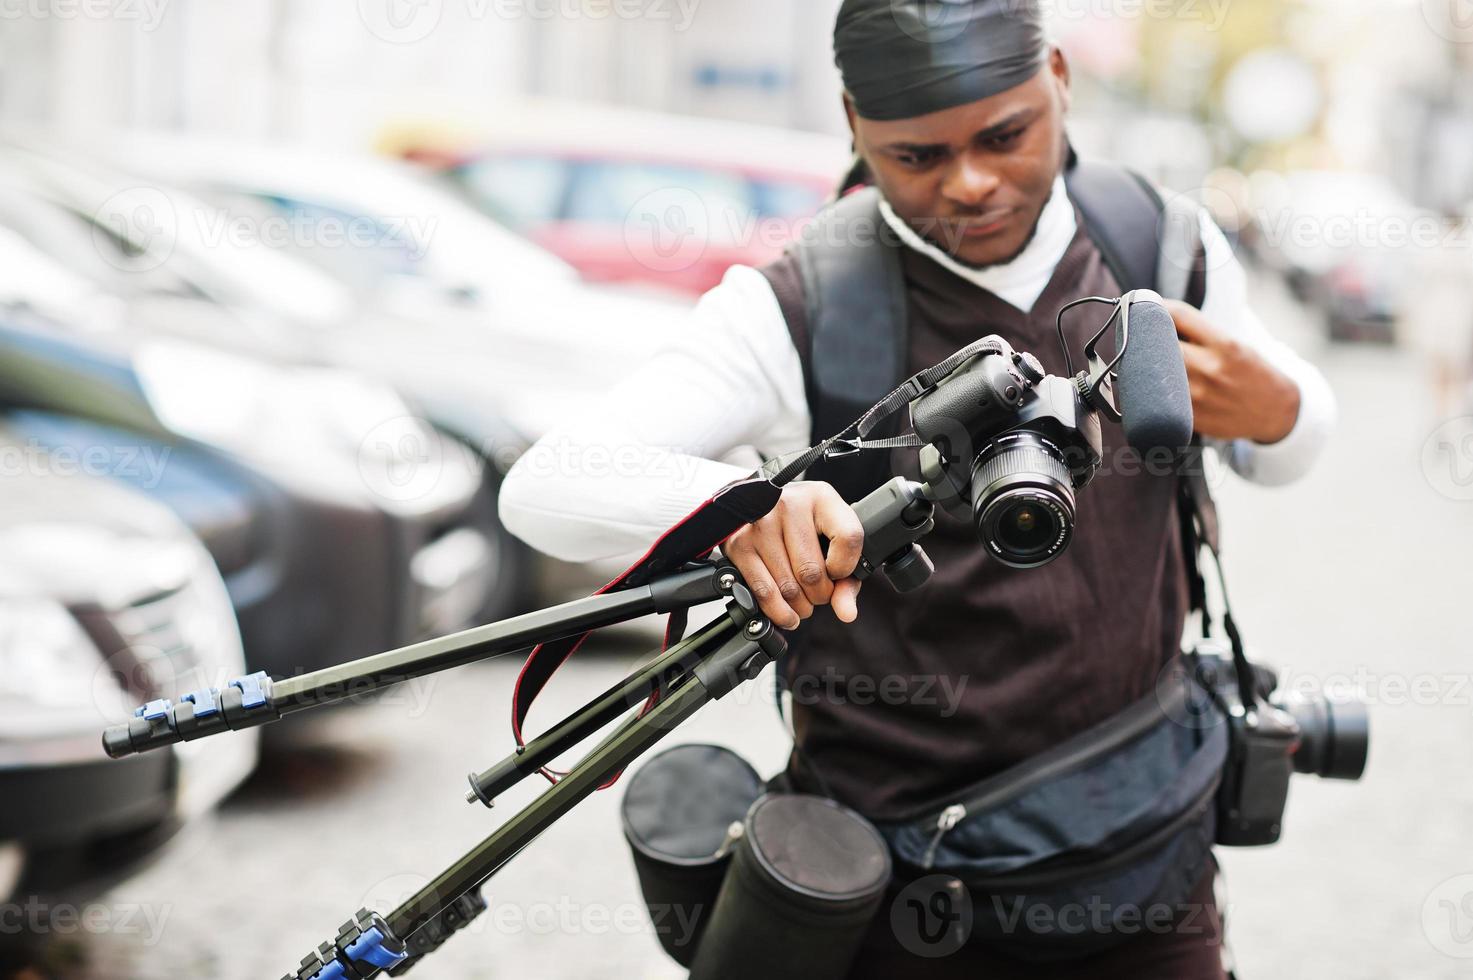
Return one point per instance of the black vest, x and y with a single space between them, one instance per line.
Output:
986 665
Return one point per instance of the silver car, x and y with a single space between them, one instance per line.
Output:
106 600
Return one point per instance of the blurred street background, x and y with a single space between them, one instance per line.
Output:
286 286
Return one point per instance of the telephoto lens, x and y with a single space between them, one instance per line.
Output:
1023 499
1334 738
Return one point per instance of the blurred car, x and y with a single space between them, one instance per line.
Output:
629 196
497 339
114 291
333 543
106 601
1341 241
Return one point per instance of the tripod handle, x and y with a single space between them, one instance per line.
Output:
895 517
242 703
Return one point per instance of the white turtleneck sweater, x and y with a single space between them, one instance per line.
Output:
687 422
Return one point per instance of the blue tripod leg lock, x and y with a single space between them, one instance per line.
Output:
364 948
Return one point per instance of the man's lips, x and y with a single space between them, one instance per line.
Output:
982 225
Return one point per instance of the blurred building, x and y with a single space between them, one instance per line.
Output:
1372 85
331 73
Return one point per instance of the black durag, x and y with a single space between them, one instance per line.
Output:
906 58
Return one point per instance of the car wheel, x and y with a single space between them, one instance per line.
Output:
514 566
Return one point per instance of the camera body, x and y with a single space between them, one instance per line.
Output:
1271 740
1007 445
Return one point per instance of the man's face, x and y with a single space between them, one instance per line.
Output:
973 179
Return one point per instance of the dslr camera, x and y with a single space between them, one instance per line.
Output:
1007 446
1304 731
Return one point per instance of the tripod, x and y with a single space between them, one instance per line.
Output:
720 656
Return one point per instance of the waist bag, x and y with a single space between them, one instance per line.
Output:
1071 851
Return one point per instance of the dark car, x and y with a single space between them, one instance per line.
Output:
333 542
120 286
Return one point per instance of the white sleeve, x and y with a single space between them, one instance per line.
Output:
1226 307
606 486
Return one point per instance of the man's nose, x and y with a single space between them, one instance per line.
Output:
969 183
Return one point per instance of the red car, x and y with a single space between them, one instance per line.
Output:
628 196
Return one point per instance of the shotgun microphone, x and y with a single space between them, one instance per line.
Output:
1151 379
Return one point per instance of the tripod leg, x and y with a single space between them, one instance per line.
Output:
540 751
740 656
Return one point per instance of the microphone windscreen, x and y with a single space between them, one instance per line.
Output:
1154 397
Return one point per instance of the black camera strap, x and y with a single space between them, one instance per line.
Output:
783 469
1200 531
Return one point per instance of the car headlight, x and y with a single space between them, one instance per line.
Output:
52 676
252 406
324 426
235 403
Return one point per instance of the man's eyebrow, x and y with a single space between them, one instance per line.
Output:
1003 125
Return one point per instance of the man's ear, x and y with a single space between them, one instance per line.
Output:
1059 68
853 118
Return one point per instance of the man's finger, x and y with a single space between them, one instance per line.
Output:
774 554
761 583
1195 356
807 561
837 521
846 599
1204 364
1191 325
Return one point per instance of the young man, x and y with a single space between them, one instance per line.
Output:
959 121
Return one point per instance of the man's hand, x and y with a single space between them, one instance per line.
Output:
783 564
1236 394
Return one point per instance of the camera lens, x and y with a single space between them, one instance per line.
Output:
1334 738
1023 500
1026 527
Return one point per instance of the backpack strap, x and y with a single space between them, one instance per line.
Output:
846 312
1156 243
1147 241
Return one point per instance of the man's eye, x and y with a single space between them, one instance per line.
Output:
919 158
1003 140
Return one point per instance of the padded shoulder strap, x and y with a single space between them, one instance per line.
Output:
1148 242
1153 242
846 314
854 298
